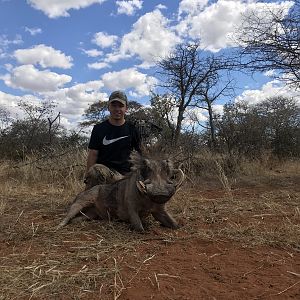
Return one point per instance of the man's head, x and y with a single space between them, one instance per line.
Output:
117 106
118 96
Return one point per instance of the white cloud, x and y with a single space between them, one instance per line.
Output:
5 41
33 31
43 55
98 65
218 109
27 77
8 67
115 57
59 8
270 73
92 52
191 7
103 40
160 6
72 102
271 89
129 7
150 38
214 25
10 103
129 78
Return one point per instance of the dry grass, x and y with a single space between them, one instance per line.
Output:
88 260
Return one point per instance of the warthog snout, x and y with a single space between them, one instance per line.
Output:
160 192
157 194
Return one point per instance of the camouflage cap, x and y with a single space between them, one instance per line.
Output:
118 96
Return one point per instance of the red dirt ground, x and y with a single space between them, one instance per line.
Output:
197 269
166 264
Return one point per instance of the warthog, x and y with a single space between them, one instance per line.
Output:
145 190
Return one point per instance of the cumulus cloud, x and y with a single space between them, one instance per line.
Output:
43 55
271 89
59 8
160 6
10 103
33 31
92 52
149 39
27 77
129 7
191 7
214 25
72 101
98 65
104 40
129 78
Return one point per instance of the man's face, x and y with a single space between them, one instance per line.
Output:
117 110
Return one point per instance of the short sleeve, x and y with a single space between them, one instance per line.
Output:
93 144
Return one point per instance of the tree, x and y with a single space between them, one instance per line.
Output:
5 119
210 92
240 130
38 130
191 76
272 125
282 119
271 41
36 116
95 113
162 113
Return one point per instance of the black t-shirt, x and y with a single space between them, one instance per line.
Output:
114 144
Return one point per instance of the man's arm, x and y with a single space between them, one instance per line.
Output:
91 159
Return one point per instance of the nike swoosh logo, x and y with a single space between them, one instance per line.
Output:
108 142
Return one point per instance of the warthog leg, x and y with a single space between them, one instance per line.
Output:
83 200
135 221
165 218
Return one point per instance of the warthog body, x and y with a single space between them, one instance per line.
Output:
145 190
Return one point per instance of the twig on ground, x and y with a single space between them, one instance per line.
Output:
156 280
293 273
288 288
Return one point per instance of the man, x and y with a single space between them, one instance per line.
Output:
111 143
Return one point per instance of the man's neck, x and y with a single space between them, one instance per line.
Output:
116 122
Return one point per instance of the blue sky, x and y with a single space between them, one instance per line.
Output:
76 52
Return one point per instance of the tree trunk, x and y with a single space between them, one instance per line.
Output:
178 127
212 126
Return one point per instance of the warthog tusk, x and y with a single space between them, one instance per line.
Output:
141 186
181 177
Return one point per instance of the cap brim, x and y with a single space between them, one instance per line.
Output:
118 100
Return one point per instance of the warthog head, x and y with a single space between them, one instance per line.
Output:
157 179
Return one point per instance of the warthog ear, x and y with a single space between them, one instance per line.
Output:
179 177
141 187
